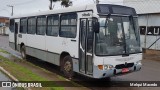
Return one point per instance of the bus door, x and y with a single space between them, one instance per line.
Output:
15 35
86 46
11 34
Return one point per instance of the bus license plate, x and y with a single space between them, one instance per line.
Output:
124 70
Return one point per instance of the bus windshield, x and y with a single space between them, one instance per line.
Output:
118 35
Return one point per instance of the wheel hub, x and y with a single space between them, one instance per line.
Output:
67 66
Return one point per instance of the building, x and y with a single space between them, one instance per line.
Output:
4 25
149 21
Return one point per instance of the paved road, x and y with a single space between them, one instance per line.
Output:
3 77
150 70
4 44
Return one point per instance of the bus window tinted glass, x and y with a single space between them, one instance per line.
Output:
53 25
32 25
23 25
12 25
115 9
41 25
68 25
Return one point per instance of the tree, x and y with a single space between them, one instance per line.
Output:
65 3
51 2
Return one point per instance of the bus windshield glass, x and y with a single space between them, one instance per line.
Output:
118 35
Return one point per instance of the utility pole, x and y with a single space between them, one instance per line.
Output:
50 7
145 39
12 8
97 1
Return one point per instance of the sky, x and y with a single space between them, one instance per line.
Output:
30 6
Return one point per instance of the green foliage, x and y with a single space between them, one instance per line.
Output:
65 3
24 74
3 51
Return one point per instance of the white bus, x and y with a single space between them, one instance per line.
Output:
97 41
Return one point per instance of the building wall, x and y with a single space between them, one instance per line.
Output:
152 22
4 30
144 6
2 20
149 21
4 26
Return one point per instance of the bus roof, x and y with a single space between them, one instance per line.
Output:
102 9
56 11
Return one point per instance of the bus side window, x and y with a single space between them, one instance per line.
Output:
53 25
12 25
31 26
41 25
23 25
68 25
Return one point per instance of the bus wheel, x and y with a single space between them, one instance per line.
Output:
67 67
23 52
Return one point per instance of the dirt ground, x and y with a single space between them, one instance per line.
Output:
151 54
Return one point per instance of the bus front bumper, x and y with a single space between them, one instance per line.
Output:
97 73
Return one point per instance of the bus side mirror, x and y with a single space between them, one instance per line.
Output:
96 27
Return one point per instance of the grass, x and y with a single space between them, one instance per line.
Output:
3 51
22 73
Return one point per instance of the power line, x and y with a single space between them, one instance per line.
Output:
3 5
4 10
27 2
3 1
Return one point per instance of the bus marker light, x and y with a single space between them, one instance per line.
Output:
100 67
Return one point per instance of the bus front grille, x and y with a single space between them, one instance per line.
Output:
127 65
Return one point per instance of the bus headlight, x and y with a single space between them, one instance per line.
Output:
106 67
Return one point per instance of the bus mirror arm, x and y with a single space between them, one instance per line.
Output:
96 27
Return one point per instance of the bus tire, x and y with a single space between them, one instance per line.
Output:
23 52
67 67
